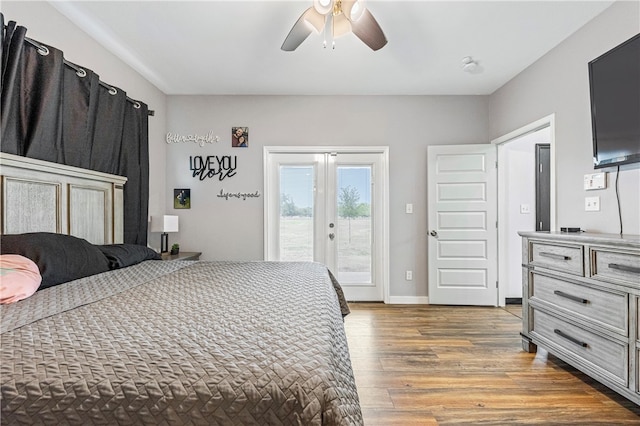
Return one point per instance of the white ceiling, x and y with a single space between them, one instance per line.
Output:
233 46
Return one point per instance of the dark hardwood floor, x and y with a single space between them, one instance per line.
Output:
437 365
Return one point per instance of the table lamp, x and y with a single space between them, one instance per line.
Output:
164 224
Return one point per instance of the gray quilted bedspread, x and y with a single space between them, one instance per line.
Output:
229 343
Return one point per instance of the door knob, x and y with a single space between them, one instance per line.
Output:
433 233
332 236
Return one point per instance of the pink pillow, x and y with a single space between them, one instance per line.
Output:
19 278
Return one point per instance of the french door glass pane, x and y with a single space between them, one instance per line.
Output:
355 224
296 213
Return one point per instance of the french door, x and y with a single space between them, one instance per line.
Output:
329 206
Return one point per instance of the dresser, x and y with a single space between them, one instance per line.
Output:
581 302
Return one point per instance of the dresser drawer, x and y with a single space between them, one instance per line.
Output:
565 258
606 308
606 357
606 265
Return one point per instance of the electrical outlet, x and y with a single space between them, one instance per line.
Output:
409 208
525 209
409 275
592 204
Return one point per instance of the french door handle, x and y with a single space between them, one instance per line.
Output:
433 233
332 236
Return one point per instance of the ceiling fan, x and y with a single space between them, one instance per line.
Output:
344 15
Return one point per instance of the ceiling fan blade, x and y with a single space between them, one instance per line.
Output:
305 24
367 29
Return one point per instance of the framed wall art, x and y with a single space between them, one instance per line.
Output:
181 198
240 137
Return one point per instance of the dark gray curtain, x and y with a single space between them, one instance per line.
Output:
57 111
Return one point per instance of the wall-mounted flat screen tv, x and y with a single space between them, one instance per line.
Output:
614 80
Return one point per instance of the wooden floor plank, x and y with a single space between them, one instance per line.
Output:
438 365
378 417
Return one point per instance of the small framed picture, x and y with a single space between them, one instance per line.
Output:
240 137
181 198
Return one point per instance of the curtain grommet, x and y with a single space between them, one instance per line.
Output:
113 91
43 50
136 105
81 73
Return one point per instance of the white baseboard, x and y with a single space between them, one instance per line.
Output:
408 300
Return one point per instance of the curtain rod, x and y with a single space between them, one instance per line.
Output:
44 51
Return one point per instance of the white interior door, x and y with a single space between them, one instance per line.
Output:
329 207
462 225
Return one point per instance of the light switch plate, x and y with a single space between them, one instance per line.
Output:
525 209
409 208
595 181
592 204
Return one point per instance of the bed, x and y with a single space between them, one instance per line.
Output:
172 342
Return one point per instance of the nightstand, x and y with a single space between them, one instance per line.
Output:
183 255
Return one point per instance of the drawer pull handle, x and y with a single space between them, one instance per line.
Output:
571 297
571 339
555 256
625 268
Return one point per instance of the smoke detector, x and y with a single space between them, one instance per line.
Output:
468 64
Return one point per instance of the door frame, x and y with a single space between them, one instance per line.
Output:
548 121
384 150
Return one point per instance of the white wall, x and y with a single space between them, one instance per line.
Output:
407 124
559 83
46 24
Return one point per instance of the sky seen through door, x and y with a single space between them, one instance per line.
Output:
296 181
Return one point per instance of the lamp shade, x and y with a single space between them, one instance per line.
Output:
164 223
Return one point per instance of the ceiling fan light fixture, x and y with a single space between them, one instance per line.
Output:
341 26
323 6
353 9
316 20
345 16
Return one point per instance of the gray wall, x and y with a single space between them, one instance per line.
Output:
407 124
46 24
559 83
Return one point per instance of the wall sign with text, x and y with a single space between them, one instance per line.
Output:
211 166
194 138
238 195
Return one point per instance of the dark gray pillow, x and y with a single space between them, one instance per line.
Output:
60 258
122 255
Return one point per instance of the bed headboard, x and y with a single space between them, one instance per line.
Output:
40 196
